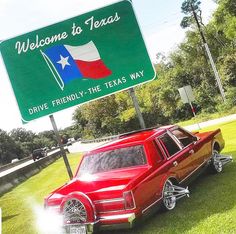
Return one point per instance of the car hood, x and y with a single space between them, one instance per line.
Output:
102 182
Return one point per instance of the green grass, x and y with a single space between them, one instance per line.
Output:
17 213
211 207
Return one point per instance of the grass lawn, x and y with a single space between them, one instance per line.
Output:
211 207
17 213
202 117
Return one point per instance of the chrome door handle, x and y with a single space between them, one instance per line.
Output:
175 163
191 151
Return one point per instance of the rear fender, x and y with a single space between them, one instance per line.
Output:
218 142
172 178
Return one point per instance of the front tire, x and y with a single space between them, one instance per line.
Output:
169 200
216 165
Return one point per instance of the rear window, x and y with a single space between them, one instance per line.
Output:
37 151
113 159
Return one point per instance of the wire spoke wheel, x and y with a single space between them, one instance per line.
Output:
169 200
216 162
74 212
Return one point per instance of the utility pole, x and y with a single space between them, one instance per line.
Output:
209 55
137 109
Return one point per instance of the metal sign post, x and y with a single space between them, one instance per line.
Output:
137 109
61 146
192 109
186 94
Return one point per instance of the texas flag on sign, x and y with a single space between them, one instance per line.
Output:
72 62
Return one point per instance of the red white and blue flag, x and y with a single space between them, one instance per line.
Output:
72 62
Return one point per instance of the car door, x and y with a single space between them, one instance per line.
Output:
177 158
195 155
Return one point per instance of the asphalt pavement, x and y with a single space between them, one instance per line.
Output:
8 171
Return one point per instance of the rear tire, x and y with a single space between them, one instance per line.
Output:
168 201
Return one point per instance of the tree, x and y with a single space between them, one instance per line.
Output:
8 148
50 136
226 15
21 135
228 69
188 6
24 139
98 118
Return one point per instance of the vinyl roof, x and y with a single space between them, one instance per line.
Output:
131 138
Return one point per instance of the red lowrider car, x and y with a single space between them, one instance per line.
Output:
127 178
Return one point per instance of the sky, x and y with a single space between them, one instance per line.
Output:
159 21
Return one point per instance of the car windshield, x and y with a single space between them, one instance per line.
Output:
113 159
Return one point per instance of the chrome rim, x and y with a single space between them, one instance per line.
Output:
74 212
216 161
169 199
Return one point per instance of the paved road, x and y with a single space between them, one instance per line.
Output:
8 171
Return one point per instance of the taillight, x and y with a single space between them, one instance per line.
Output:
129 200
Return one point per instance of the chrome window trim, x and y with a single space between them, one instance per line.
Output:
175 139
168 157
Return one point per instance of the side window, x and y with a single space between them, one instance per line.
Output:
169 144
184 137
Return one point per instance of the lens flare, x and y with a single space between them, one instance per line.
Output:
48 221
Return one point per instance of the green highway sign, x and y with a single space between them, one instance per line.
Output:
78 60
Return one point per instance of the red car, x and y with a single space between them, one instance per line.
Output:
126 179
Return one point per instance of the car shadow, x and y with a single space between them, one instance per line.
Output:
210 194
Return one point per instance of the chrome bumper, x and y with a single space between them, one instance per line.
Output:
108 222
